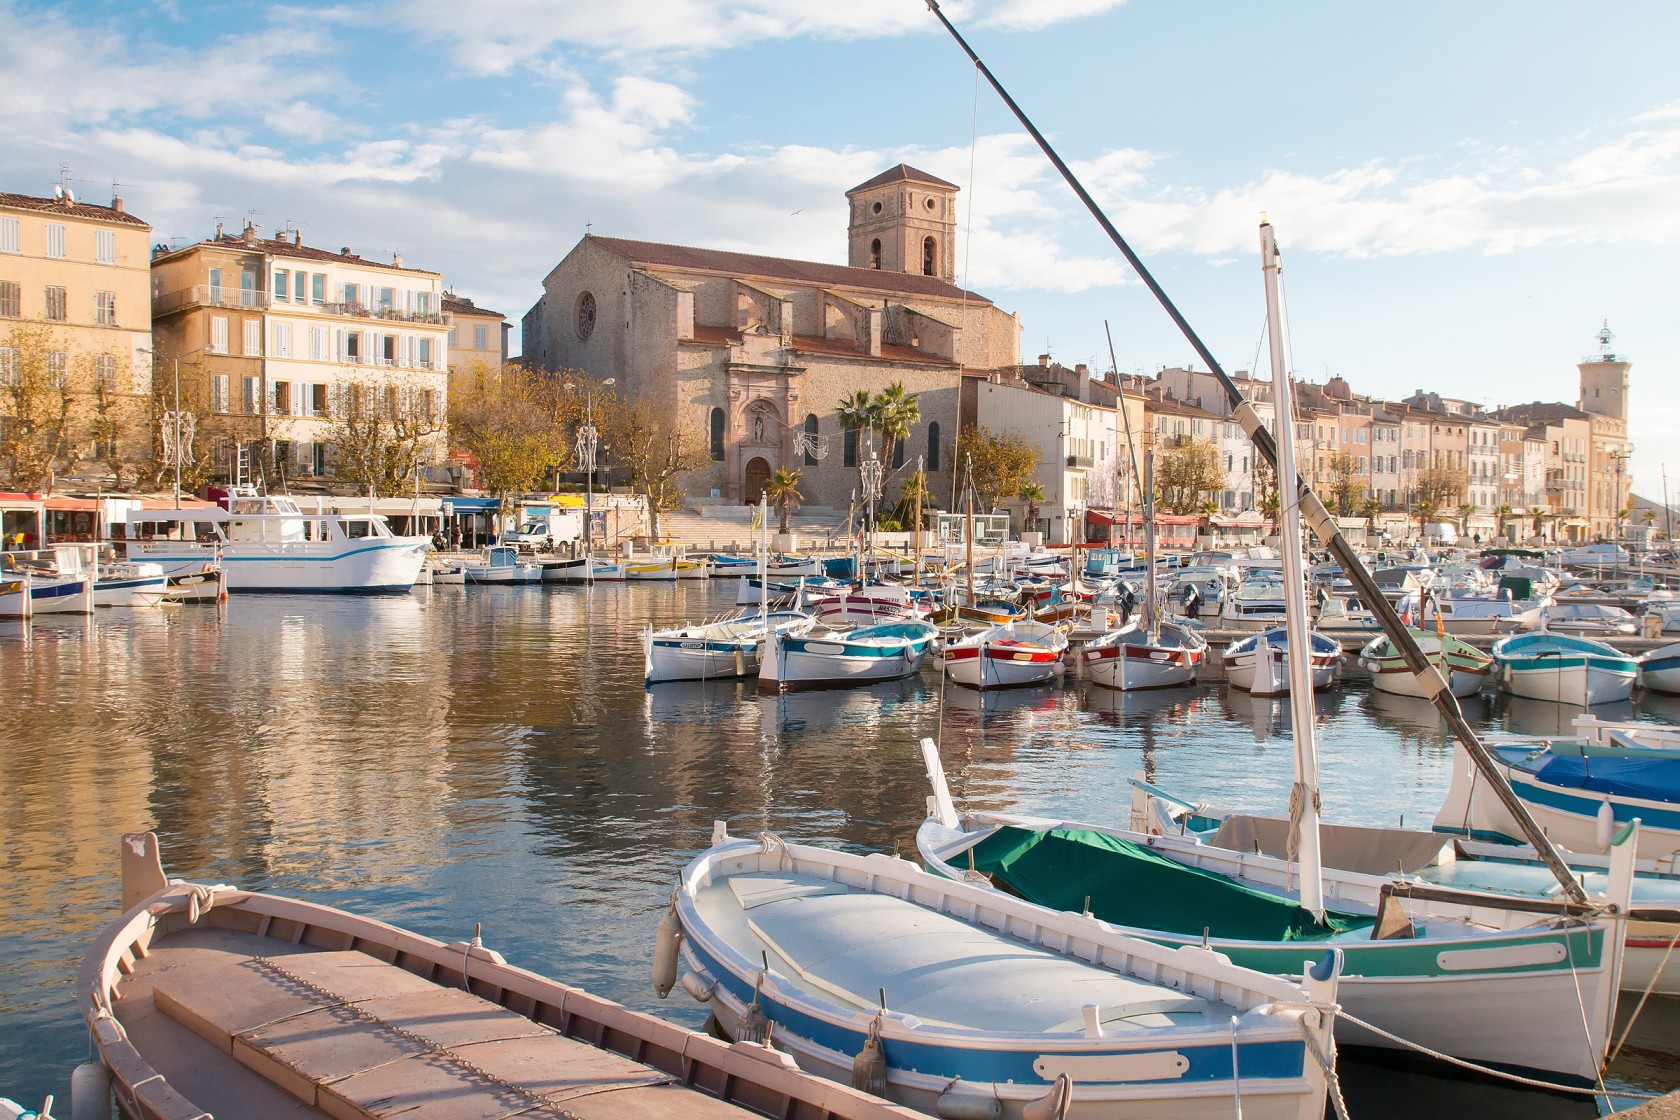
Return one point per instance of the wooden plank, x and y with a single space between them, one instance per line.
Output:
448 1017
431 1086
560 1068
219 1002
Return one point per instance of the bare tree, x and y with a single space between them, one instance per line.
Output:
380 434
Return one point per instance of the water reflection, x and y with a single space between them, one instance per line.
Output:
491 755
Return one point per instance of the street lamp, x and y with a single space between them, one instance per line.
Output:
870 472
588 442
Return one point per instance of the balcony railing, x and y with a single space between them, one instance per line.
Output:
391 314
208 295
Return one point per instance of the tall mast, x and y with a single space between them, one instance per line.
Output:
1303 797
1150 622
1131 448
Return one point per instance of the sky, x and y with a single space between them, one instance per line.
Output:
1464 193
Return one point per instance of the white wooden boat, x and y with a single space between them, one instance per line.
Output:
1659 669
1475 979
500 564
1564 668
130 583
1465 667
883 652
731 646
1133 657
36 587
265 542
1259 663
449 572
1255 605
1011 655
971 997
209 1000
1581 788
656 570
868 604
582 569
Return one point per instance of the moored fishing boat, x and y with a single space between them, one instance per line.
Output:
1259 662
1659 669
1564 668
960 999
500 564
868 604
129 583
1012 655
730 646
1465 667
1134 657
657 570
883 652
209 1000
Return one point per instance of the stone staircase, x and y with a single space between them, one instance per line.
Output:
729 528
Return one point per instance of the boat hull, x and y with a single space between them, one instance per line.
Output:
367 565
804 661
1261 666
1130 666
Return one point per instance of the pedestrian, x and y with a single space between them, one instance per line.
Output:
1192 602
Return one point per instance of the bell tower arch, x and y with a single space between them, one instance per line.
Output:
904 220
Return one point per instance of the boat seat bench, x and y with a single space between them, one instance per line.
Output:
360 1039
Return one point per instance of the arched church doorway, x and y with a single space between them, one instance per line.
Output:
756 481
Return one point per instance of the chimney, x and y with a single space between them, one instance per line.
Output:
1044 361
218 231
297 237
344 251
396 260
117 203
250 234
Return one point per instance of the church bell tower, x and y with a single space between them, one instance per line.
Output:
904 220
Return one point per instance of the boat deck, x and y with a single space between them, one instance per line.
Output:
843 945
316 1033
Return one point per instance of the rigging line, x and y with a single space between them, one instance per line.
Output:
1319 517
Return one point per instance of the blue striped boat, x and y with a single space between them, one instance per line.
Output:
1564 668
883 652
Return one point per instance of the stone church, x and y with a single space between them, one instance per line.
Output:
753 354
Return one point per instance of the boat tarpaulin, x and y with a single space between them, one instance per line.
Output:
1128 884
1648 779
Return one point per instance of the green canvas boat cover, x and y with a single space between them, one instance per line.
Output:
1131 885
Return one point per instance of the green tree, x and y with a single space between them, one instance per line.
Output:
36 439
512 423
1537 520
1348 480
380 434
1032 494
784 495
1425 511
1185 472
1502 516
1465 509
997 463
857 417
653 454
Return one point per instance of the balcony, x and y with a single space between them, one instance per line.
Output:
208 295
390 314
1081 462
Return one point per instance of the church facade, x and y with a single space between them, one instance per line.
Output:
753 355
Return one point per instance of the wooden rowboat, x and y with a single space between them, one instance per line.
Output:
214 1000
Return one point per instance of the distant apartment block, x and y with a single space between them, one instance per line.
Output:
281 340
477 335
79 270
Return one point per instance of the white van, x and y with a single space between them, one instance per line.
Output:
1440 533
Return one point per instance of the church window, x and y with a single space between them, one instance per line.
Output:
876 208
875 253
933 446
898 455
929 251
717 435
850 446
811 440
585 316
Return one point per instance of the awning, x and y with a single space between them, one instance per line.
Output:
1577 523
71 505
470 505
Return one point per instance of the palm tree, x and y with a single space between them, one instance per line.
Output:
857 415
895 413
1032 494
1425 514
1501 515
1368 509
1465 509
783 492
1537 519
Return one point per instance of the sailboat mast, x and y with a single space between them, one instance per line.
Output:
1131 448
916 526
968 533
1149 619
1303 798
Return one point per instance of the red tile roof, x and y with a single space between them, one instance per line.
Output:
652 253
459 305
286 247
902 173
71 209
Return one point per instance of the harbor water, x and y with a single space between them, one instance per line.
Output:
471 756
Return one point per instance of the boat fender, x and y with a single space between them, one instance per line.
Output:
700 985
869 1068
90 1092
967 1102
666 943
1053 1105
1605 826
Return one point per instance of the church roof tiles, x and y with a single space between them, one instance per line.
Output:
903 173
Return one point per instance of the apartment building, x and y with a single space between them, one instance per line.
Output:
1565 434
1078 435
286 341
79 270
478 337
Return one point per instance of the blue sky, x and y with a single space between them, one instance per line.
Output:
1463 192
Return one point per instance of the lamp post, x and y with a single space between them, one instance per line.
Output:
177 426
588 442
870 471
